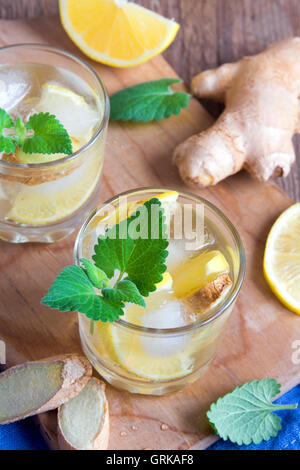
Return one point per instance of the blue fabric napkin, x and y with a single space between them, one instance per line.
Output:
25 436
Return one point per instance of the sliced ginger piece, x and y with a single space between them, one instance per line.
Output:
210 295
83 422
34 387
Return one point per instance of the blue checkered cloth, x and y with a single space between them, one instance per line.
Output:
25 436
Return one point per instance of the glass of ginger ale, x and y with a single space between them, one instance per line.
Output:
43 198
171 342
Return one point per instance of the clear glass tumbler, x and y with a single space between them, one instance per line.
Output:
45 201
169 347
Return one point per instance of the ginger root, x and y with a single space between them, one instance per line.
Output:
36 387
83 422
210 295
261 95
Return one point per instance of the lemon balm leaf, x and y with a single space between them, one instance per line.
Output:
7 144
136 246
49 135
148 101
97 277
245 415
43 133
124 291
73 291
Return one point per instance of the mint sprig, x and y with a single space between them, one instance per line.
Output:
246 414
143 258
148 101
43 133
73 291
133 250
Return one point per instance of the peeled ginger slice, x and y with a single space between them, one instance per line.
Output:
35 387
83 422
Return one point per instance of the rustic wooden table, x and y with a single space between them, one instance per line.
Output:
212 32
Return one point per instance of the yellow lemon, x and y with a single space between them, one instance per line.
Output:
116 32
282 258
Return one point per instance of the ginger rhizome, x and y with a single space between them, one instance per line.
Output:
261 96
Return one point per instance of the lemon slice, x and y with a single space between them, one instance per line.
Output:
282 258
77 116
54 200
121 212
166 283
22 157
143 356
116 32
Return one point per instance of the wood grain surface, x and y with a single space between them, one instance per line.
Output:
258 340
212 32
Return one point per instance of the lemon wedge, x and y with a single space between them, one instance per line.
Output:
196 272
282 258
116 32
77 116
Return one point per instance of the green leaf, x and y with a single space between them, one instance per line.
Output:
130 247
49 135
7 144
20 132
148 101
73 291
244 415
97 277
124 291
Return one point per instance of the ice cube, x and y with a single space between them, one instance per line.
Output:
14 86
167 316
177 254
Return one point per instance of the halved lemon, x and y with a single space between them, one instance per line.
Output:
116 32
282 258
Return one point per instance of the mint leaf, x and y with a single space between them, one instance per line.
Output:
124 291
49 135
143 258
20 132
244 415
73 291
148 101
7 144
97 277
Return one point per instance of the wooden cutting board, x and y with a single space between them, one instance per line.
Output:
258 340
